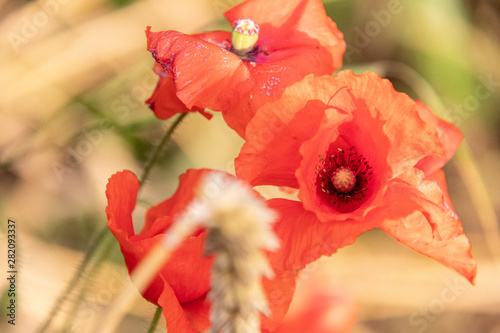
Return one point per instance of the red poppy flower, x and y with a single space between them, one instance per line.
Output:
320 310
181 286
296 38
363 156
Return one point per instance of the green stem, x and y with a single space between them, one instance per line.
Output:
156 319
159 148
103 238
471 175
99 258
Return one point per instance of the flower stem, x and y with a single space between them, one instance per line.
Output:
100 256
102 239
159 148
156 319
476 186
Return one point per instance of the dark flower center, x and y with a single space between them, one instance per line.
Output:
254 55
343 177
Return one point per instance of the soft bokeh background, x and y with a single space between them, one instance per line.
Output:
73 79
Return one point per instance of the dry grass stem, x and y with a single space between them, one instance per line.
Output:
239 228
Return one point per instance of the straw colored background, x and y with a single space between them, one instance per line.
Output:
73 79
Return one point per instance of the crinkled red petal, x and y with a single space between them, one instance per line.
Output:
305 239
165 103
411 137
273 138
449 135
433 228
205 75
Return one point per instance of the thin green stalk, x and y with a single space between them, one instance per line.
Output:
100 256
156 319
159 148
104 237
476 186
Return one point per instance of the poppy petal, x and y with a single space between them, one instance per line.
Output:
401 116
165 103
273 138
173 312
434 230
296 23
279 291
121 192
204 74
304 238
198 313
177 203
269 80
188 271
450 137
321 311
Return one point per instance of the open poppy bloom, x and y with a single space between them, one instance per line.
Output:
362 156
273 46
182 285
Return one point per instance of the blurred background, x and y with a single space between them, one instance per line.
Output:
73 79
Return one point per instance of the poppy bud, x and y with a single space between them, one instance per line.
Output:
244 36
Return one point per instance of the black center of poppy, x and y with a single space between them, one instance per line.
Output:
252 56
343 177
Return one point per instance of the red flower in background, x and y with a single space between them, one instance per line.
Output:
363 156
321 311
181 286
200 71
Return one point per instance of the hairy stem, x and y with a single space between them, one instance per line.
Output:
87 265
159 148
